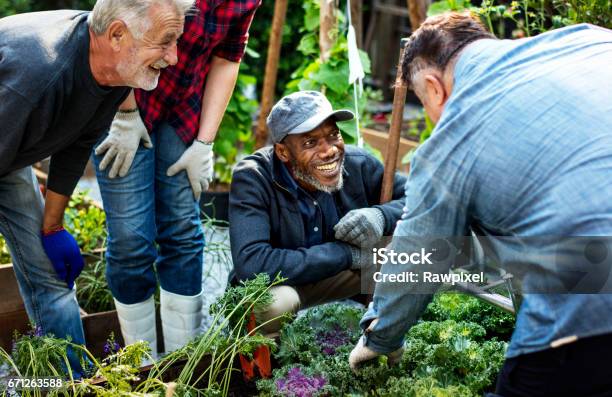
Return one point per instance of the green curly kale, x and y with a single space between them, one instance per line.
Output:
461 307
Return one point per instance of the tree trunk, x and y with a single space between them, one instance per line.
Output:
417 10
269 85
357 19
327 19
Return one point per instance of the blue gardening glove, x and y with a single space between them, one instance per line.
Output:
363 227
63 251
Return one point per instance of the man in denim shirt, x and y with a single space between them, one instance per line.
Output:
522 149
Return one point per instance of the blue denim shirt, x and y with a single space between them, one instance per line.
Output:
523 148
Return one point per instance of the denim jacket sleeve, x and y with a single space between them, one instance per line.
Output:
250 234
392 211
431 211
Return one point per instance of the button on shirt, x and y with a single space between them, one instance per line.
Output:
524 149
318 210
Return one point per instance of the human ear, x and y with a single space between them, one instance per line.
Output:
117 34
435 91
282 152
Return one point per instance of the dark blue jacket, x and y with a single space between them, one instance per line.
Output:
266 229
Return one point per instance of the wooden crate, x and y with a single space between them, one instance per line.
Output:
98 326
380 140
13 315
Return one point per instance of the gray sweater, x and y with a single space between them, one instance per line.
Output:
50 104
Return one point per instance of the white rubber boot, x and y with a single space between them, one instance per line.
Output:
138 324
181 316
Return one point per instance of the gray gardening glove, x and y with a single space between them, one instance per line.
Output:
121 144
198 162
362 227
360 258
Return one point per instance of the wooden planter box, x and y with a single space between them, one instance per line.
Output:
13 317
380 141
238 386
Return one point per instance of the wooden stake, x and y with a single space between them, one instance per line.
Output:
327 20
357 19
417 10
269 85
397 117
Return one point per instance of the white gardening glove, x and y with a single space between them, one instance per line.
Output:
198 162
121 144
361 353
362 227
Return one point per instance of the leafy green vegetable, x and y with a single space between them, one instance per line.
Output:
237 303
37 354
303 340
442 358
462 307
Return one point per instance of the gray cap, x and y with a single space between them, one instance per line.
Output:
301 112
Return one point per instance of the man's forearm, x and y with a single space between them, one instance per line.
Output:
220 84
55 205
129 103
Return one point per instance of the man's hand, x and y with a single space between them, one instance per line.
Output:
362 227
63 252
198 162
361 353
121 144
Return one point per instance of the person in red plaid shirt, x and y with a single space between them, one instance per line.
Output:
152 166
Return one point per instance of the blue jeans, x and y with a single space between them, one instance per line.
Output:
153 224
48 301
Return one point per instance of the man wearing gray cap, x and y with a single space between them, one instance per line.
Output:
306 206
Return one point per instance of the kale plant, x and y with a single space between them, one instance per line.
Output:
294 381
321 331
461 307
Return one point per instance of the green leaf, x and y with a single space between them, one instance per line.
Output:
309 45
365 61
335 79
438 7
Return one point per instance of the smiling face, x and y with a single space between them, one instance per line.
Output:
141 59
315 158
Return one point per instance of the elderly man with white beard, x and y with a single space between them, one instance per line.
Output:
64 74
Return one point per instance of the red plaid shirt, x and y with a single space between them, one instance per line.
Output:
216 27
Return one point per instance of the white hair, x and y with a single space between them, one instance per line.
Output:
133 13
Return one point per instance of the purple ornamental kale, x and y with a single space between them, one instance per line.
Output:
332 339
296 384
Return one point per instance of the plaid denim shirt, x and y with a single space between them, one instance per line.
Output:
523 149
213 27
